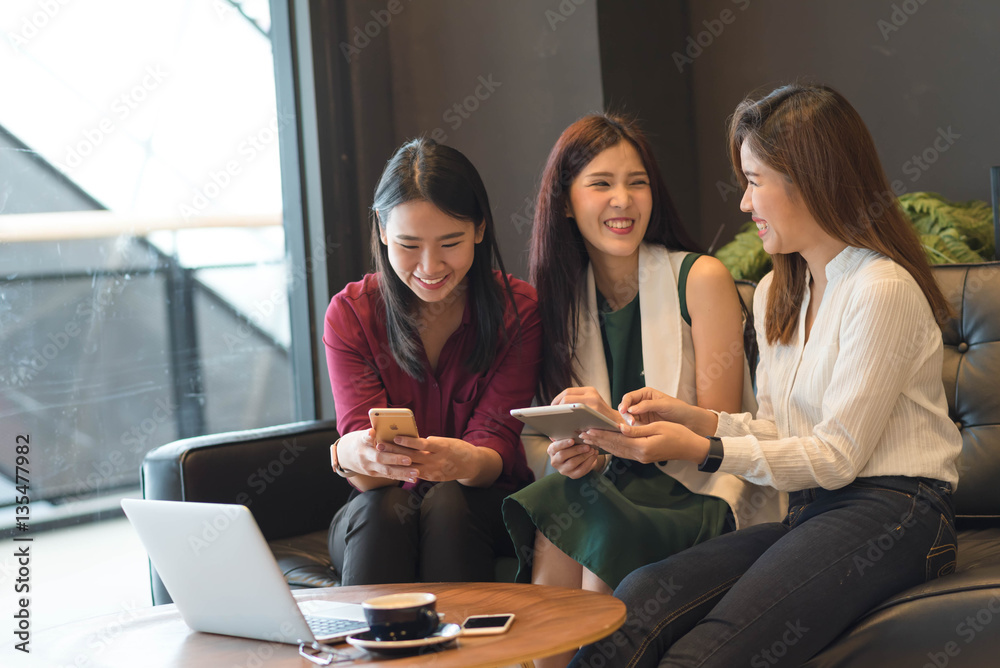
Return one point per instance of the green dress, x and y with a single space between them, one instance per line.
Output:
630 515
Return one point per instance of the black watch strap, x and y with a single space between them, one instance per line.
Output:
715 453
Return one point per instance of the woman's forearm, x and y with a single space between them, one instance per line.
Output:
486 466
701 421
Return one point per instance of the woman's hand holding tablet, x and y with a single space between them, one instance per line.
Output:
564 421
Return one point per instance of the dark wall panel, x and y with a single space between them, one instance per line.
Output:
499 81
643 78
918 72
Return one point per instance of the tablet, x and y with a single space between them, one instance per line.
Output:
564 420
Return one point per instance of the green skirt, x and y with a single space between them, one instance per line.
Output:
614 522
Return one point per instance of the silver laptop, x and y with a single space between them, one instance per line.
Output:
222 575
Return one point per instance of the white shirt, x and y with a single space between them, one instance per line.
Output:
863 397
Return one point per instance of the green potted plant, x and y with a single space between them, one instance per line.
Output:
951 232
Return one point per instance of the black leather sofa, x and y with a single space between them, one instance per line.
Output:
953 620
283 474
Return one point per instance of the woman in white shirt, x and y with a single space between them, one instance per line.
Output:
852 417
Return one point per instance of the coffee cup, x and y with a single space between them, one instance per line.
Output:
401 616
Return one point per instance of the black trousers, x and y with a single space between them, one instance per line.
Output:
443 532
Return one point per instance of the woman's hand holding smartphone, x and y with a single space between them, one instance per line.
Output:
389 423
435 457
372 452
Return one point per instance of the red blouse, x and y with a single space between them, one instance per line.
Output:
452 402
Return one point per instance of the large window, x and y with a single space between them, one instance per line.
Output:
145 278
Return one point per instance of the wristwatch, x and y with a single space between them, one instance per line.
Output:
338 469
714 458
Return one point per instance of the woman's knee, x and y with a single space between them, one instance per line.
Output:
652 582
446 504
384 507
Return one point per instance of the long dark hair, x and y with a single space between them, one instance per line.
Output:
424 170
813 136
558 257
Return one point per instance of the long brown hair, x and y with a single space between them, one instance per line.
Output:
558 257
812 135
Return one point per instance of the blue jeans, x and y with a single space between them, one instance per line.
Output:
776 594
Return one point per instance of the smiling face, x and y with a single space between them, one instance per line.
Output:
611 201
784 222
430 251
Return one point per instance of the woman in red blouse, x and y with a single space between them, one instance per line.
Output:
437 330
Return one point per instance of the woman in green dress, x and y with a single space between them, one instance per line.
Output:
625 304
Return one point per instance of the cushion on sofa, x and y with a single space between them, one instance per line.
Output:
305 561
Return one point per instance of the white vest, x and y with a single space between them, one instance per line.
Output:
662 355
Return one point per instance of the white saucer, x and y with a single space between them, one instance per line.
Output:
445 634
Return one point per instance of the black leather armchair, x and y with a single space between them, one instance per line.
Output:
952 621
282 474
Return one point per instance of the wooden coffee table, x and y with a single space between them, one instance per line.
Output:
548 620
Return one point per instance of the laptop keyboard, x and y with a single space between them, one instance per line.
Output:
330 626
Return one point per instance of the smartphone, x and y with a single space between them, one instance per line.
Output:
389 423
487 625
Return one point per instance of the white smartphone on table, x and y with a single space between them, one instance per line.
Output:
487 625
564 420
